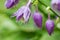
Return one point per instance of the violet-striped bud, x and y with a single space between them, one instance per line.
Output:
50 26
55 4
23 12
37 17
10 3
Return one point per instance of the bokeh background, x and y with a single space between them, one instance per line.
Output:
12 30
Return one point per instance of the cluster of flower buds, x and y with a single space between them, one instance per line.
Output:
25 13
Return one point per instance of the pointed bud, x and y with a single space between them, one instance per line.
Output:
37 17
10 3
49 26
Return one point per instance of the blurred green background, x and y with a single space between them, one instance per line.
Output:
11 30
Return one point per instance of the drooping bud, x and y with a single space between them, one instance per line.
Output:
37 17
23 12
55 4
50 26
10 3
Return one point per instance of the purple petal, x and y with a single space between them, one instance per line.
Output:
19 17
27 13
19 13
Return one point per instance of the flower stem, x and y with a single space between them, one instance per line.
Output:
48 15
29 2
49 9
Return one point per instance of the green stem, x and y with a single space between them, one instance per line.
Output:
50 8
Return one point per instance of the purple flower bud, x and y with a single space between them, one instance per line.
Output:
11 3
37 17
55 4
49 26
23 12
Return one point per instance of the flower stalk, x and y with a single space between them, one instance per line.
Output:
49 9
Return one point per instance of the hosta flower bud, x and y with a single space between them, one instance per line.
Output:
49 26
55 4
37 17
23 12
11 3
